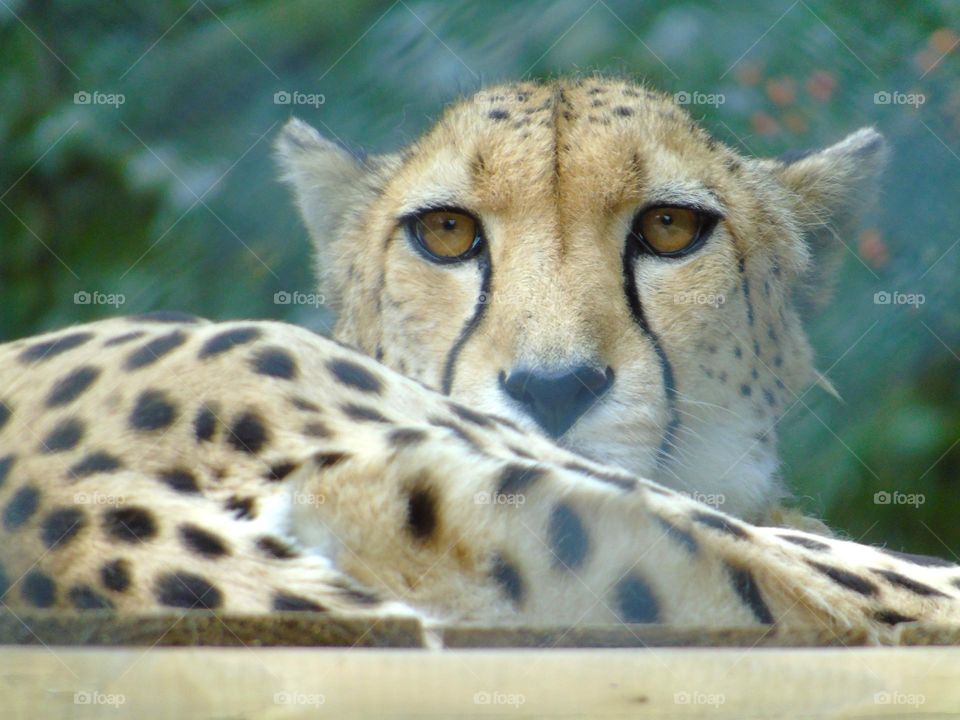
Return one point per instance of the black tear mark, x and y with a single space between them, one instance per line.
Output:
668 440
485 266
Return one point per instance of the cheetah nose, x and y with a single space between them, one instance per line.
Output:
557 398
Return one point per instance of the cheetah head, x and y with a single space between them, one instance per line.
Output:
582 258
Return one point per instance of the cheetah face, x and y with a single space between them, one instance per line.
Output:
583 259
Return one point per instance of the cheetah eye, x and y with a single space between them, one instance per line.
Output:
671 231
446 235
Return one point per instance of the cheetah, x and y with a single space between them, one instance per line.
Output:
515 413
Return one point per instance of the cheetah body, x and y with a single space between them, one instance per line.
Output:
166 462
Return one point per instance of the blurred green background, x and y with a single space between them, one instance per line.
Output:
169 197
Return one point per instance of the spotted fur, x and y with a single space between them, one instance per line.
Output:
164 462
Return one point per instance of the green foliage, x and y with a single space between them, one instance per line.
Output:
169 200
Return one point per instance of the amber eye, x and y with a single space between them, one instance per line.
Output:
446 234
669 230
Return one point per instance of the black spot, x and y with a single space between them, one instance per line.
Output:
283 601
71 386
746 587
498 114
566 536
923 560
51 348
635 601
910 584
152 411
623 111
363 413
125 338
746 390
21 507
248 434
317 430
154 350
276 548
301 404
61 526
515 479
130 524
275 362
97 462
165 316
508 578
204 424
465 413
180 480
361 597
421 513
5 413
64 436
404 437
84 597
244 508
202 541
186 590
6 462
38 589
326 460
768 396
115 575
456 430
280 471
228 339
807 542
721 523
678 534
847 579
354 375
891 617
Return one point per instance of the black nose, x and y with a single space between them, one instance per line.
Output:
555 399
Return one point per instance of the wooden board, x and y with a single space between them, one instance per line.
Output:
735 683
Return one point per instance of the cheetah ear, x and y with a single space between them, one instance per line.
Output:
331 185
831 191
